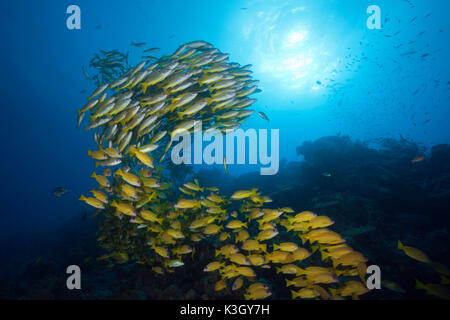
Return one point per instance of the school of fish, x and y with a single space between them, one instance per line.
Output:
146 219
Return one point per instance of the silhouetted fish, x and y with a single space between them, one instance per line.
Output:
60 191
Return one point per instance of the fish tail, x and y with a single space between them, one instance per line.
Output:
288 283
82 198
93 175
264 248
400 245
245 225
335 263
303 238
294 294
275 246
278 269
419 285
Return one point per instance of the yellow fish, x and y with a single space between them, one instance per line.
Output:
289 269
224 236
436 290
297 282
302 217
93 202
239 258
100 195
162 251
242 236
187 204
236 224
246 272
143 157
98 154
414 253
213 266
102 180
226 250
266 234
212 229
256 259
350 288
285 246
225 165
124 207
254 245
261 293
320 222
305 293
237 284
242 194
150 216
220 285
129 177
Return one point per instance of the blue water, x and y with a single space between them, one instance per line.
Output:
321 70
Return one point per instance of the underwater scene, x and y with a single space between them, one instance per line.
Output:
225 150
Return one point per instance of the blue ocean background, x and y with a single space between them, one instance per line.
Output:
322 73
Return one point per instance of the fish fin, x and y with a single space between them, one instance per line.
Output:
335 263
303 238
419 285
314 249
294 294
264 248
400 245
